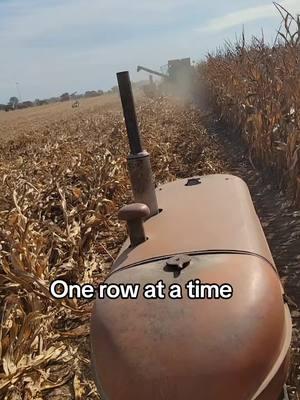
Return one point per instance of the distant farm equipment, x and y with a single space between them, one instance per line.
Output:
176 68
9 107
177 80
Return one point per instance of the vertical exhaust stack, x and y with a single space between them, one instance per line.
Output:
138 161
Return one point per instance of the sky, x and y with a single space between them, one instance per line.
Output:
48 47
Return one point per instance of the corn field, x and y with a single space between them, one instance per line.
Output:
61 190
255 89
62 184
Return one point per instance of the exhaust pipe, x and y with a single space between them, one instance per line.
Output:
139 167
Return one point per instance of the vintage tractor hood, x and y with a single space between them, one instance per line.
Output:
205 214
174 349
187 348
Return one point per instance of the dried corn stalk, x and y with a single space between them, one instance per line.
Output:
61 190
256 89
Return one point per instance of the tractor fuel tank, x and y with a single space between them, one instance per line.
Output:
195 348
211 213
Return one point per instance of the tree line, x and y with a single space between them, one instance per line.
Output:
15 104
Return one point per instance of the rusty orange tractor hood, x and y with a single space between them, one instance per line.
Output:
208 349
215 215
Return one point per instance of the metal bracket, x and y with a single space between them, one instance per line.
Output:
285 393
177 263
193 182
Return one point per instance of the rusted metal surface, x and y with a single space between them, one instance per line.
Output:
214 215
276 389
134 215
196 348
128 106
142 182
151 71
185 348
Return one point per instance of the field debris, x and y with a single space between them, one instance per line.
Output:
61 190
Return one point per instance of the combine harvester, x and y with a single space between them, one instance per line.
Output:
229 336
179 78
